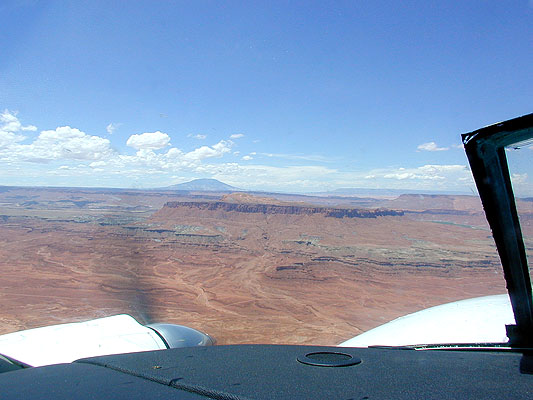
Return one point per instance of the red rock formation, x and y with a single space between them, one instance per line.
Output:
283 209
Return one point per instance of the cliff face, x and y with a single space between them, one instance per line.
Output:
282 209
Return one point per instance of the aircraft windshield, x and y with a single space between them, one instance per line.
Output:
263 172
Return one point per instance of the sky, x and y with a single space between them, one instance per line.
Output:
299 96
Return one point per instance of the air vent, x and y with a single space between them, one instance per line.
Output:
328 359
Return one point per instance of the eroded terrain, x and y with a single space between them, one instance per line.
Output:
241 271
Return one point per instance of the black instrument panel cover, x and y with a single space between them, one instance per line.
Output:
82 381
273 372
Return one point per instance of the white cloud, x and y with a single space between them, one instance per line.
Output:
451 174
431 146
9 138
298 157
97 164
429 168
519 178
236 136
522 186
112 127
10 123
9 126
198 136
173 153
204 152
263 177
63 143
173 160
249 156
401 175
70 143
149 140
71 154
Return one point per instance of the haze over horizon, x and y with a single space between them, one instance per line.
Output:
276 97
200 185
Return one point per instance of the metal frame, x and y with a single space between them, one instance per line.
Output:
485 149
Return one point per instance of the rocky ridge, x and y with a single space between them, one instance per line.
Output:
283 209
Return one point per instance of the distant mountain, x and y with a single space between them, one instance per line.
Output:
203 185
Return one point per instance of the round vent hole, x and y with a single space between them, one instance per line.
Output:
328 359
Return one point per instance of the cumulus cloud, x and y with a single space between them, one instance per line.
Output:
62 143
522 186
97 164
298 157
519 178
172 160
9 128
28 128
204 152
66 143
442 168
401 175
173 153
288 178
428 172
431 146
112 127
72 153
10 123
236 136
9 138
149 141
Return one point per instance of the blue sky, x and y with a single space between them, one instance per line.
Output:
289 96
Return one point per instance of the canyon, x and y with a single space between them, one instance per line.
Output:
245 268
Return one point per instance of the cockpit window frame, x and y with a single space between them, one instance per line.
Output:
485 149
